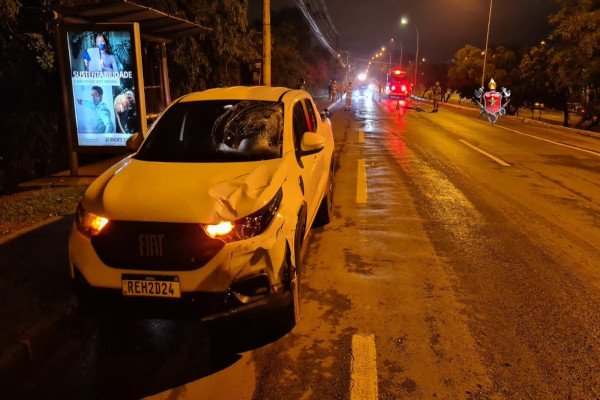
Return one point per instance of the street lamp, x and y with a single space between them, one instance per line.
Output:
487 39
404 21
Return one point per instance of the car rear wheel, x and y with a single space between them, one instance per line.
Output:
325 212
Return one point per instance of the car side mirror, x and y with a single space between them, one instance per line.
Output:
324 114
312 143
134 142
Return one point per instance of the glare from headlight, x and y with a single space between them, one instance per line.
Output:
220 229
248 226
90 223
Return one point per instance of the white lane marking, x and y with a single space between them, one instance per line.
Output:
363 372
361 182
361 136
485 153
592 152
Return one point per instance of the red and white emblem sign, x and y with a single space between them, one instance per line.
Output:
493 101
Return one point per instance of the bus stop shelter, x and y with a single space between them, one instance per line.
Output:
156 30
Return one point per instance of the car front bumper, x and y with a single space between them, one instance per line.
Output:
213 290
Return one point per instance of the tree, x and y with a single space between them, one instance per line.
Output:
215 58
32 144
464 75
569 63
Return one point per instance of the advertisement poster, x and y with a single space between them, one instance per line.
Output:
103 81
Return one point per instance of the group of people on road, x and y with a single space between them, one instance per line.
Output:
336 91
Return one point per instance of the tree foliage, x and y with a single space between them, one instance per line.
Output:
567 68
464 75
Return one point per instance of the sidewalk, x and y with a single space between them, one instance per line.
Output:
87 174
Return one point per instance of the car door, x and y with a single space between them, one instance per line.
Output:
320 171
307 163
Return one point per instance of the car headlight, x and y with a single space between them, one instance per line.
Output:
247 227
89 223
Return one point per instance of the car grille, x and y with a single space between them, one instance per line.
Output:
159 246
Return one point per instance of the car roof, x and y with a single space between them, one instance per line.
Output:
266 93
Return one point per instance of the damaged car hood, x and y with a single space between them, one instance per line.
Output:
134 190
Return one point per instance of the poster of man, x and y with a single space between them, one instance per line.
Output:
93 111
103 82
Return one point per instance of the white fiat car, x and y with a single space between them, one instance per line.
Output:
211 212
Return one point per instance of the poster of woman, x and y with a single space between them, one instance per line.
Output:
104 91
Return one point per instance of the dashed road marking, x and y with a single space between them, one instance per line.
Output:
485 153
361 182
361 136
363 372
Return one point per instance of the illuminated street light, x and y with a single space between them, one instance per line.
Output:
404 21
487 39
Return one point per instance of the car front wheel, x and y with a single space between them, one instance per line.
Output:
325 211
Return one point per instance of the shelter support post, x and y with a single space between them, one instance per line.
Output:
66 95
165 74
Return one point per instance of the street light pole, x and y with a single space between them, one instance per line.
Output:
404 21
487 39
401 50
390 54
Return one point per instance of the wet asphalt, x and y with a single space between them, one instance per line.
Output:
478 281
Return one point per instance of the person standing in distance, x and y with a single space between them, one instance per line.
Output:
348 96
437 96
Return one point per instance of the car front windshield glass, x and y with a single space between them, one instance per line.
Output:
216 131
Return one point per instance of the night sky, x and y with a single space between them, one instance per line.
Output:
444 25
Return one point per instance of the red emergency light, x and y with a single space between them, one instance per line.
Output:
397 72
403 88
393 87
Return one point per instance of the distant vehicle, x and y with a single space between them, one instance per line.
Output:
398 86
210 214
576 108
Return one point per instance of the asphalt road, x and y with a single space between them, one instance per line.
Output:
462 262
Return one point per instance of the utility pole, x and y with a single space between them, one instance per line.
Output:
266 67
487 39
347 67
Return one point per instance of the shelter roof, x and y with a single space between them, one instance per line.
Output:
154 25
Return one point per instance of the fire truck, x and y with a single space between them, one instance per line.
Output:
398 86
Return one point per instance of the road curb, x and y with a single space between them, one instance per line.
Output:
22 231
530 121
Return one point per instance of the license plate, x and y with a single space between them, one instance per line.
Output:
151 286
